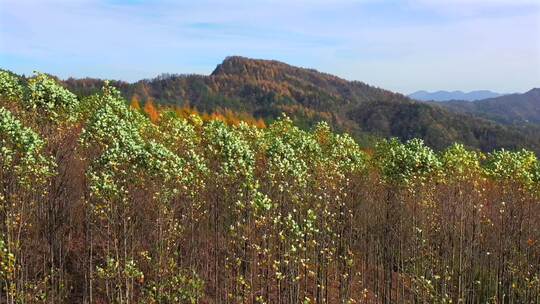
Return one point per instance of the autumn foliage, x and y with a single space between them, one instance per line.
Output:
101 202
225 115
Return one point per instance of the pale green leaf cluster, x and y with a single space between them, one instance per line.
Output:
458 163
233 153
340 150
404 164
21 151
45 94
10 86
113 121
177 133
125 155
289 151
518 166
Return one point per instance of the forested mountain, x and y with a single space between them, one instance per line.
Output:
266 88
509 109
453 95
106 203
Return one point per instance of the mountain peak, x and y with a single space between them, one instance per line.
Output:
269 69
288 81
240 64
533 91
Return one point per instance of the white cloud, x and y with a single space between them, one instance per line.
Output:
419 44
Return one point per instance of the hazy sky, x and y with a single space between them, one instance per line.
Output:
398 45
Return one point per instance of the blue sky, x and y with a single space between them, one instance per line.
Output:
403 45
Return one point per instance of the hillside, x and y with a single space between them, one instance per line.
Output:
267 88
453 95
102 204
508 109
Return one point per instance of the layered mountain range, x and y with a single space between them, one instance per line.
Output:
508 109
453 95
267 88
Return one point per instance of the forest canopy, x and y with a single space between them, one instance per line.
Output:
104 200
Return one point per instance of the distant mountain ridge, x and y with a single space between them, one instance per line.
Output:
453 95
267 88
508 109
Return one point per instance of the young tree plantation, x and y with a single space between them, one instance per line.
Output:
103 202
